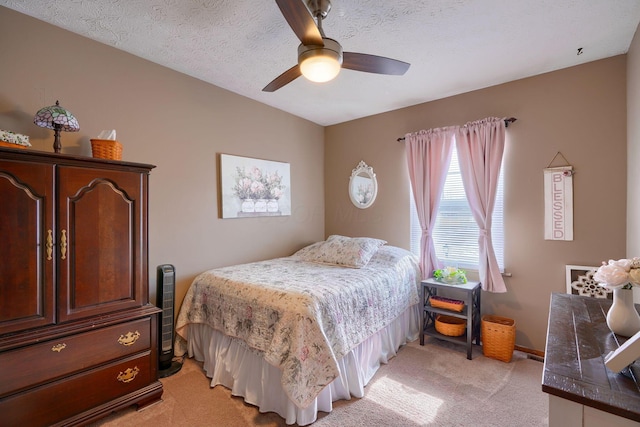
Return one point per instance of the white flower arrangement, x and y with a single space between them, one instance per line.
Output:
623 273
256 184
364 193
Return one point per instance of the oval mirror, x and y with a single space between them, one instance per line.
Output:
363 186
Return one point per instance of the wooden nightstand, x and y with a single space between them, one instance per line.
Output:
470 292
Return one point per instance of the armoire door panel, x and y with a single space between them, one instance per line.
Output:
100 215
26 252
103 244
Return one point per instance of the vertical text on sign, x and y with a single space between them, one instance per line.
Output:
557 191
558 194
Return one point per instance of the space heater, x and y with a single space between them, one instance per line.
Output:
166 301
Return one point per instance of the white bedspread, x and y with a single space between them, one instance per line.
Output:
302 317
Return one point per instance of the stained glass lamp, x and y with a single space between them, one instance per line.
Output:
57 118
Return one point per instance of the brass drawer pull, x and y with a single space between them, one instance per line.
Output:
59 347
63 244
49 244
129 338
128 375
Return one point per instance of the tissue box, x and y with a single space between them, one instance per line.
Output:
106 149
12 139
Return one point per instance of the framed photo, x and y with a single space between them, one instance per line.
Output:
580 282
254 187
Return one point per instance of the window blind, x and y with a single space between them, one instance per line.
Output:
456 232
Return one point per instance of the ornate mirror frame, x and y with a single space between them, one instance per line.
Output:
363 186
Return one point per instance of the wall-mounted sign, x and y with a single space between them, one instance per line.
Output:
558 203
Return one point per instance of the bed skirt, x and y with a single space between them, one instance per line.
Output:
246 374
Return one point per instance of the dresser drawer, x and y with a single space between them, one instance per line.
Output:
51 403
39 363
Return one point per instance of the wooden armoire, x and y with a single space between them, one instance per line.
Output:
78 336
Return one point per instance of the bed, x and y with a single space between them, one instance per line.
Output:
292 335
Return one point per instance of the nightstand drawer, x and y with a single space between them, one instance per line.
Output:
50 403
44 362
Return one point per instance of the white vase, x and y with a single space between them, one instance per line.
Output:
247 205
261 205
623 318
272 205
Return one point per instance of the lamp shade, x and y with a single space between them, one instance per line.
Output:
57 118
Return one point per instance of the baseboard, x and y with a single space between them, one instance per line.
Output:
531 351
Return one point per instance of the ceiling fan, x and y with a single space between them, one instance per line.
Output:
319 57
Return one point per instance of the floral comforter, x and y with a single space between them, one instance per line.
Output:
302 317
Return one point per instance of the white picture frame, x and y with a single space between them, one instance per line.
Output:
254 187
363 186
579 281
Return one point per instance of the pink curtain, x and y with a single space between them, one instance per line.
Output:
428 157
480 146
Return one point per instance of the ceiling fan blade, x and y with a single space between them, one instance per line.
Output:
283 79
301 21
373 64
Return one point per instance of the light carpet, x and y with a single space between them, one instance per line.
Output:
430 385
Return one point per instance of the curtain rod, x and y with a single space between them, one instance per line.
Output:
507 122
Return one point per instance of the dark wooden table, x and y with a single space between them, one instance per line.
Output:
578 339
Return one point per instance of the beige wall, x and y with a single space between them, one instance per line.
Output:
633 148
175 122
580 111
180 124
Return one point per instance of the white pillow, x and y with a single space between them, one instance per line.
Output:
341 250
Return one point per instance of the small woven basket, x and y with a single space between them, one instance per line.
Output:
498 337
106 149
446 303
450 326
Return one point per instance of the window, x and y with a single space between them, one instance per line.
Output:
456 233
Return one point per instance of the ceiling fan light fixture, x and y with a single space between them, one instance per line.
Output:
320 68
320 63
321 58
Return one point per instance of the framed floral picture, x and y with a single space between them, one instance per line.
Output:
254 187
580 282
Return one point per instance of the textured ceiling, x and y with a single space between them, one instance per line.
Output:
454 46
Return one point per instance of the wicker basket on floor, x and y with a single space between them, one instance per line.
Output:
498 337
106 149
